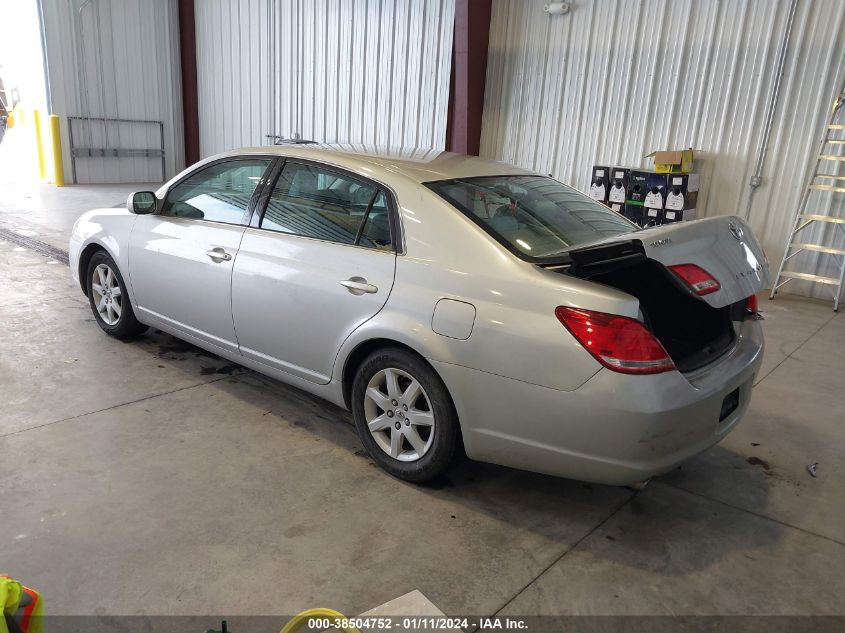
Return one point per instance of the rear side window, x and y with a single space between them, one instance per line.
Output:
375 231
219 193
535 217
320 203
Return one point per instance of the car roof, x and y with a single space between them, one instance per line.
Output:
417 164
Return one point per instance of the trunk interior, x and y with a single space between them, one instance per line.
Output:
693 333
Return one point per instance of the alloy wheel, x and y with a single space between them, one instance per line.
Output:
399 414
107 294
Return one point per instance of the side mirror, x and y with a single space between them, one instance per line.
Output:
141 202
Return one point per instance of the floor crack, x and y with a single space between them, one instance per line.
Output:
114 406
751 512
800 345
574 546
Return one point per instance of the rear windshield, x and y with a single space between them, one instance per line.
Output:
533 216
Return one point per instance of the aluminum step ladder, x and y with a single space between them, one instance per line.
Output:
834 184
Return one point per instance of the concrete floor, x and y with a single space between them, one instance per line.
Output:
148 477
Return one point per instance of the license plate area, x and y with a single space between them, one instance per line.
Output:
729 404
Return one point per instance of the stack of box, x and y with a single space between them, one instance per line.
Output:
668 193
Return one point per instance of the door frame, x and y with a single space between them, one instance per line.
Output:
275 170
256 194
165 322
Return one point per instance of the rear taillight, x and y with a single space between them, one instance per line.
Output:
751 304
617 342
701 282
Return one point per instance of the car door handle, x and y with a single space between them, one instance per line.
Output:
218 255
358 286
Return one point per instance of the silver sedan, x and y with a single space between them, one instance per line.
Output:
454 305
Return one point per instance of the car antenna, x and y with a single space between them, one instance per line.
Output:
296 139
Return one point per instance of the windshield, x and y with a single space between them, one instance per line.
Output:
533 216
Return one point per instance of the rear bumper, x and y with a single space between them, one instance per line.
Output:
614 429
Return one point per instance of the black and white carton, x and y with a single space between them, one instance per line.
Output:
652 192
681 197
618 192
599 183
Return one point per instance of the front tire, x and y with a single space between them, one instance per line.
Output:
109 300
404 415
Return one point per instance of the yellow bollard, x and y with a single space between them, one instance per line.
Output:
39 145
58 165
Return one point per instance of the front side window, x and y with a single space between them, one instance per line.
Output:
219 193
534 216
316 202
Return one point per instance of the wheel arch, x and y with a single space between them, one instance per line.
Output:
85 259
364 348
356 357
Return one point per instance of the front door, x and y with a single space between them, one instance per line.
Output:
319 264
181 258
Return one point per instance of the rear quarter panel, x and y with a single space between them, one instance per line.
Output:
515 333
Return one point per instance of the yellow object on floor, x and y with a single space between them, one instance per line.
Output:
22 604
302 620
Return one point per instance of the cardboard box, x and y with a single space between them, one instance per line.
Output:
618 192
599 183
681 197
673 161
646 190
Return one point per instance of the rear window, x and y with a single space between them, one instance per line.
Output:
533 216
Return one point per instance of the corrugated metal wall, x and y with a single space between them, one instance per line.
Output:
615 79
116 60
345 71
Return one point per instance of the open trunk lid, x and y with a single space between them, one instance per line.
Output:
695 330
723 246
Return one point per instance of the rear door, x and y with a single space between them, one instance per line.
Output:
317 261
723 246
181 258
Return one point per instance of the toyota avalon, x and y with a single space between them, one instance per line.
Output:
455 305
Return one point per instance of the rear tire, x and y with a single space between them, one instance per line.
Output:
109 299
404 415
